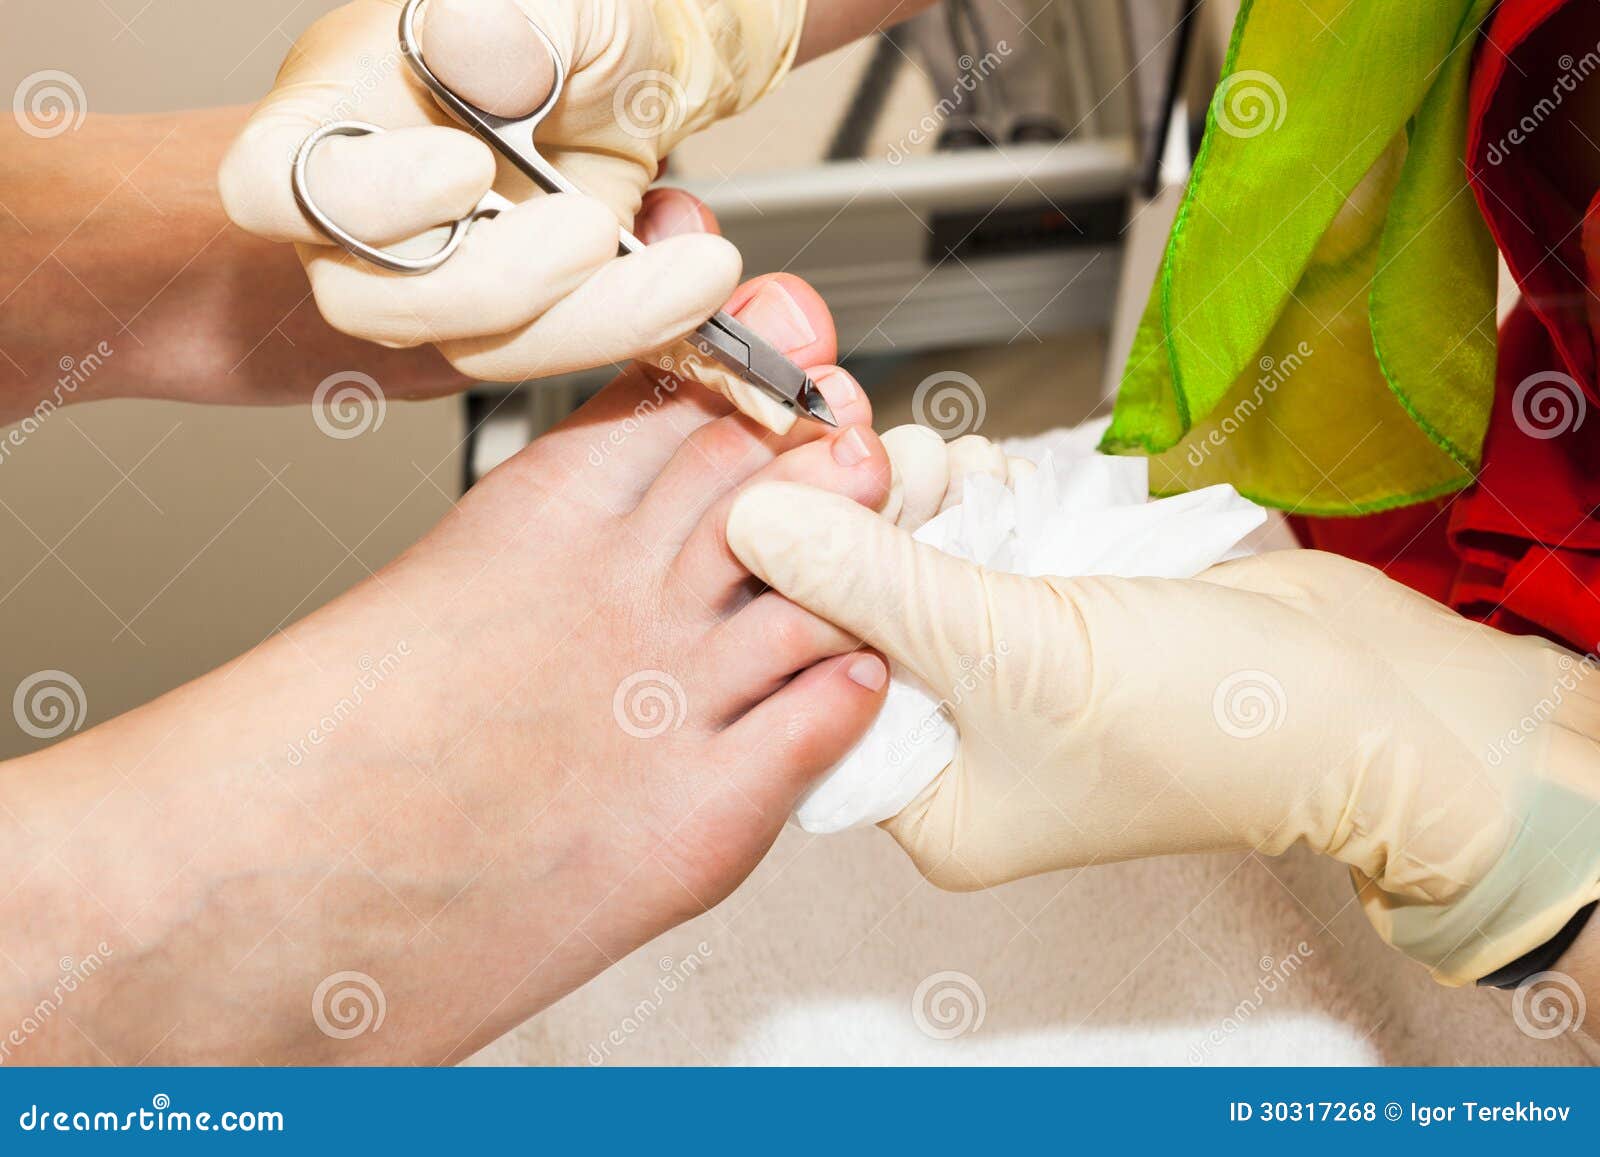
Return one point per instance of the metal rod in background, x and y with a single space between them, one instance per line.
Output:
1156 145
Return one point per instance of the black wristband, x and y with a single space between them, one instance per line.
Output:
1542 958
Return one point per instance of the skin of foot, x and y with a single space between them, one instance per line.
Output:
564 721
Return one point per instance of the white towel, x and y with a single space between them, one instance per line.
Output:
1081 513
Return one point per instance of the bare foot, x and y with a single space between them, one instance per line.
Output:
563 721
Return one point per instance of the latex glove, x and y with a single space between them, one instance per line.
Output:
1287 697
538 290
927 473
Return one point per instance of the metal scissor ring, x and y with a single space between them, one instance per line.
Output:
383 258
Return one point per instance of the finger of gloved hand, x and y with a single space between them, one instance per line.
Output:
629 306
921 475
671 213
836 558
488 54
510 270
1019 468
388 186
330 75
618 180
375 185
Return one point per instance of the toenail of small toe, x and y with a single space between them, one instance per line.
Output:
868 671
841 391
777 317
850 448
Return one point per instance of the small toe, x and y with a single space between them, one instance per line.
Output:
807 726
758 650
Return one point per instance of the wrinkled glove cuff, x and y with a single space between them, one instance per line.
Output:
728 54
1542 958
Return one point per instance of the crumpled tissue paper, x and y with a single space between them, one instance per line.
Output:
1081 513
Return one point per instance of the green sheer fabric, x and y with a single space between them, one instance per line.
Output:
1322 331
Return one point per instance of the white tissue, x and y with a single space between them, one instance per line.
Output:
1081 513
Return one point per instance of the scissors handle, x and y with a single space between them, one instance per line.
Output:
722 338
511 137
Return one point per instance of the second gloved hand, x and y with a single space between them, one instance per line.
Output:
539 289
1288 697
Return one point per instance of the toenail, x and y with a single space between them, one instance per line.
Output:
850 448
840 389
869 672
777 317
670 215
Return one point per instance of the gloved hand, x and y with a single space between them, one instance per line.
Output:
927 473
1288 697
537 290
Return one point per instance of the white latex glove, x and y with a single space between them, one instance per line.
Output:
927 473
537 290
1291 696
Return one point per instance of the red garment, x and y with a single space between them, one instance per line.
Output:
1520 549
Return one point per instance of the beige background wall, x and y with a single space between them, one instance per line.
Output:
142 543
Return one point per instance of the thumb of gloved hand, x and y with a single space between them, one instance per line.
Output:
943 619
920 606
